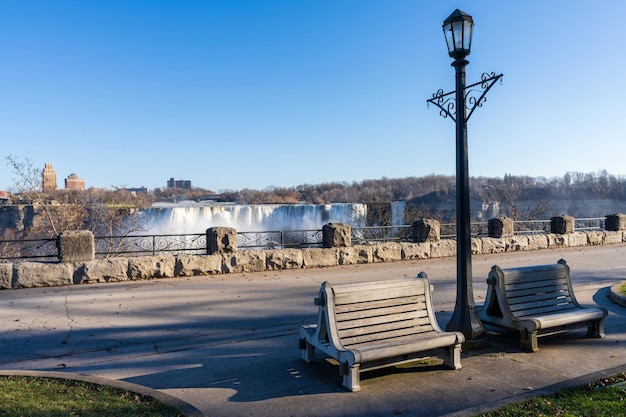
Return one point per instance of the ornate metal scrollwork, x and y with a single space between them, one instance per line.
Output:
150 244
446 103
279 239
474 97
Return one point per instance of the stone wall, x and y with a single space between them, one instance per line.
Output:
38 274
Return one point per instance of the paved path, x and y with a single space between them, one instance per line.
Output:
228 344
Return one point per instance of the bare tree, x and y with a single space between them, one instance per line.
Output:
111 213
28 183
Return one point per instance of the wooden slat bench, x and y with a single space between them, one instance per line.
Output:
377 324
537 301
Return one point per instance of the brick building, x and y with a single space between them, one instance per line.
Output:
48 178
74 183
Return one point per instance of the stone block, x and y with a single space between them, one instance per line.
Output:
6 276
493 245
244 261
516 243
536 242
337 235
476 246
357 254
387 252
36 274
221 240
615 222
556 240
576 239
284 259
76 246
101 270
502 227
320 257
193 265
412 251
562 225
595 237
426 230
443 248
613 237
146 267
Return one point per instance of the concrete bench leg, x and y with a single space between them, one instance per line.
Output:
529 341
307 351
350 376
596 329
452 357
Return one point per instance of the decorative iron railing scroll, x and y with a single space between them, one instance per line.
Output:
150 244
279 239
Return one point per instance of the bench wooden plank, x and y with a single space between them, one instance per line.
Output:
536 301
377 286
535 290
401 292
374 324
558 283
417 302
362 340
369 319
541 300
534 273
524 314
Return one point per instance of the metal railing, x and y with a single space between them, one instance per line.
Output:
279 239
591 223
150 244
478 229
531 227
372 234
45 249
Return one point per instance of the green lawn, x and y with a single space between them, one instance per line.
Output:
603 398
22 396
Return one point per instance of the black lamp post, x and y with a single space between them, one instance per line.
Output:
458 28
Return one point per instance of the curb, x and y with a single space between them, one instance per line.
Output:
615 294
187 409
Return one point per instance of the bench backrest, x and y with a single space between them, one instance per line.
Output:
380 310
535 290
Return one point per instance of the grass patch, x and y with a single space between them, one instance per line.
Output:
622 288
51 397
596 399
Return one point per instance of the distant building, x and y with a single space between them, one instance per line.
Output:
138 190
183 184
5 196
74 183
48 178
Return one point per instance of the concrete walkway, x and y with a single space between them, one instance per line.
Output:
227 345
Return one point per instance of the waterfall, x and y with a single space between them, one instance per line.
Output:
397 213
191 217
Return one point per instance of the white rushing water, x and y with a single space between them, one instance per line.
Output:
191 217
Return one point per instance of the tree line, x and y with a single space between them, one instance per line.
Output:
600 184
117 211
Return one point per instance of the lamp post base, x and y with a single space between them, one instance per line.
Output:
465 319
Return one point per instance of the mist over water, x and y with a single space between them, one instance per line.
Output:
191 217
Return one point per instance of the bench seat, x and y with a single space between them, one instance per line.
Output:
537 301
376 324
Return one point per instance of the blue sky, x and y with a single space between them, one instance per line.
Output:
234 94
